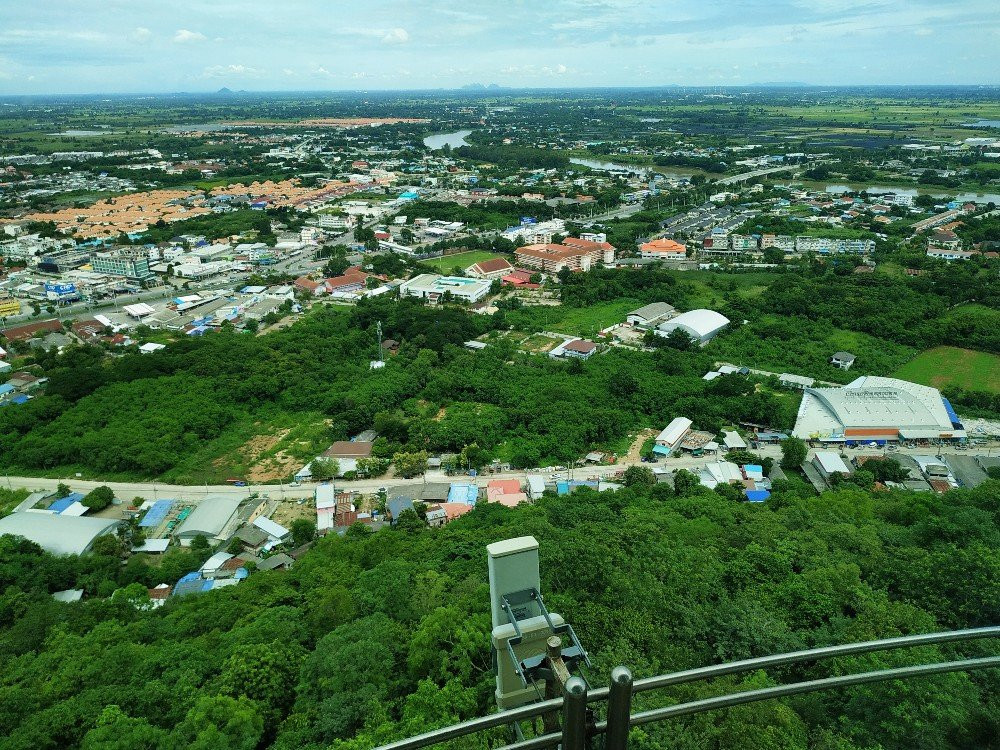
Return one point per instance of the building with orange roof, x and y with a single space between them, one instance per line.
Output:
662 249
574 254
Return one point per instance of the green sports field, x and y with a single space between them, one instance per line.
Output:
446 263
943 366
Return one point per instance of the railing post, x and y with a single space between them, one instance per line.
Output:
574 714
619 709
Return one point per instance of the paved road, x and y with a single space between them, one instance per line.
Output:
154 490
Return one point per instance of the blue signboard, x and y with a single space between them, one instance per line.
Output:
60 288
528 220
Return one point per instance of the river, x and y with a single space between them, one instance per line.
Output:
914 192
440 140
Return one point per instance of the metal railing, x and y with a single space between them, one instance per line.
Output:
573 705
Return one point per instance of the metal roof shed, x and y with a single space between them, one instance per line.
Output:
208 519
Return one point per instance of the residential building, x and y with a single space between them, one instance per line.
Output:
945 238
828 463
843 360
828 245
942 253
435 288
574 349
799 382
743 243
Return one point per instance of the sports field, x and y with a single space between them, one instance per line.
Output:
446 263
949 365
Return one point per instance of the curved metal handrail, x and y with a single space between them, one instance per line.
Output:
533 710
764 694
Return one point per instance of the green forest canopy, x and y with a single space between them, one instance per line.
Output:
372 637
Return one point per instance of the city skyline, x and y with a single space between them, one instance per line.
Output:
127 46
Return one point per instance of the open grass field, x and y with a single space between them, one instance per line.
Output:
943 366
446 263
575 321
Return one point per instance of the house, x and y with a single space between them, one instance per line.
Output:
946 239
798 382
651 315
280 561
252 537
495 268
843 360
348 449
828 463
536 486
396 505
275 531
213 566
574 349
663 249
943 253
671 436
720 472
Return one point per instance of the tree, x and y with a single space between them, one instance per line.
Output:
325 468
638 475
116 730
680 340
303 531
99 498
793 452
62 491
684 482
252 325
219 722
199 545
410 464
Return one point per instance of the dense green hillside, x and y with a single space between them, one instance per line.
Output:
372 637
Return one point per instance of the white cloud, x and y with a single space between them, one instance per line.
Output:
184 36
221 71
395 36
141 34
924 31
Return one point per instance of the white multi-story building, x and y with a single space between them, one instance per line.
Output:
828 245
433 287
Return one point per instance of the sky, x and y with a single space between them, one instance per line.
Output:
156 46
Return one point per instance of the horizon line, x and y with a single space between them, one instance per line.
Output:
493 88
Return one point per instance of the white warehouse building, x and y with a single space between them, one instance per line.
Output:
876 409
701 325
